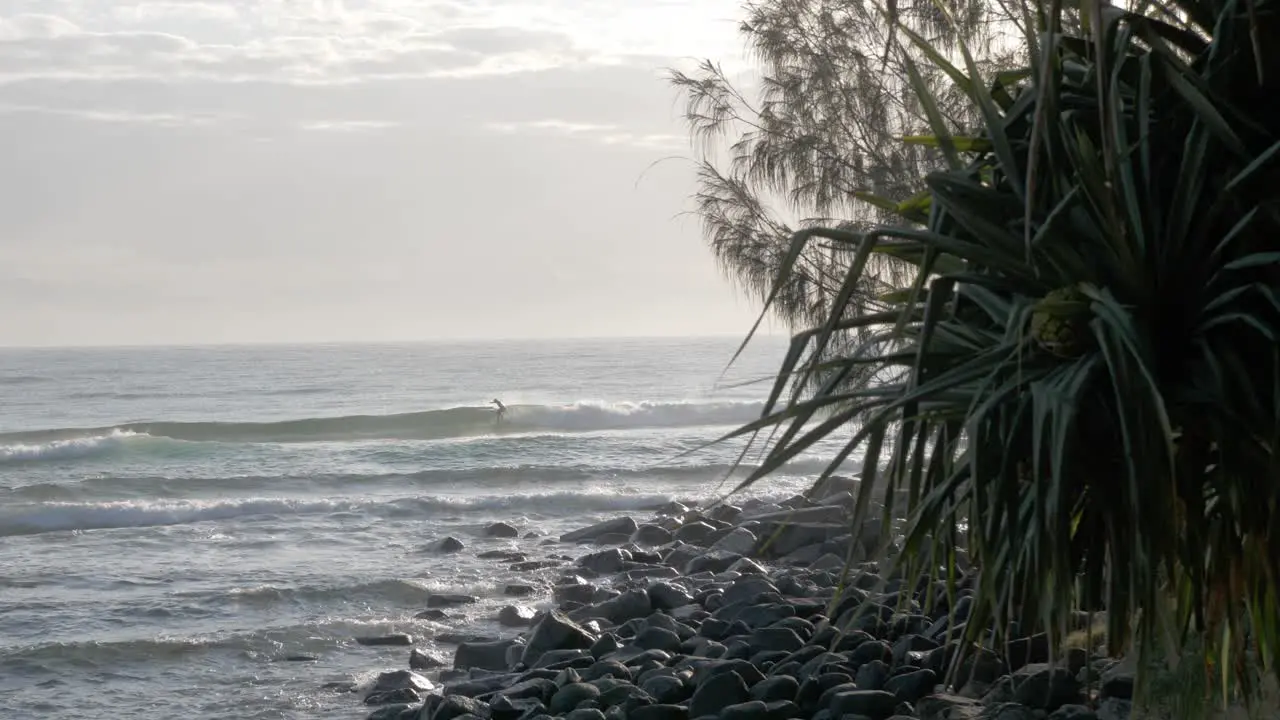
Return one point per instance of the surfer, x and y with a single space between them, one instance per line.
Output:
501 409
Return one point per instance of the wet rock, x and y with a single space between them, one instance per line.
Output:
627 606
775 639
397 680
402 696
518 590
911 686
533 565
426 660
659 712
872 675
944 706
571 696
1114 709
391 639
555 631
651 535
694 533
607 668
747 589
1010 711
301 658
668 596
714 562
606 562
605 645
1072 712
515 616
394 712
443 600
432 614
1046 688
1117 682
501 530
656 638
484 655
784 538
717 691
450 544
507 555
585 714
620 538
779 687
739 541
534 688
624 525
581 592
456 706
666 689
874 704
502 707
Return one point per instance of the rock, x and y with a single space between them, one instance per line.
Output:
420 660
518 590
715 561
779 687
718 691
948 707
620 538
726 513
607 668
432 614
455 706
534 688
507 555
555 631
872 675
443 600
1047 688
668 596
1072 712
391 639
748 589
656 638
1114 709
401 680
658 712
501 530
450 544
1010 711
627 606
666 689
750 710
875 704
403 696
1117 682
515 616
484 655
301 658
739 541
775 639
585 714
911 686
651 535
694 533
605 645
581 592
782 538
571 696
605 562
617 525
393 712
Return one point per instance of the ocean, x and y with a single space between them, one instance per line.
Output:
176 523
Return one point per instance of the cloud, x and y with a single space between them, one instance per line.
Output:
603 134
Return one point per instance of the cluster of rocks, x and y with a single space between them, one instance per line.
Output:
740 613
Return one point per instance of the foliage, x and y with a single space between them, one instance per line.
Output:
1084 369
823 133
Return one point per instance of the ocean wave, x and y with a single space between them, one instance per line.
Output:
65 449
459 422
45 517
178 487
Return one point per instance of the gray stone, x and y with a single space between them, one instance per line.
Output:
775 639
1114 709
515 616
750 710
778 687
426 660
571 696
535 688
456 706
585 714
627 606
401 696
1044 687
605 562
563 658
1010 711
450 545
658 712
651 535
1072 712
391 639
747 589
401 680
911 686
714 561
739 541
555 631
394 712
717 691
518 590
694 533
432 614
581 592
501 530
666 689
483 655
943 706
656 638
607 668
872 675
617 525
875 704
668 596
443 600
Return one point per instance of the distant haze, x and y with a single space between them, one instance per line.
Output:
321 170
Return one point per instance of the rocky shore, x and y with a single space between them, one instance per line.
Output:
738 613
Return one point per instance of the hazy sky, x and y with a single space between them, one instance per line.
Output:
293 170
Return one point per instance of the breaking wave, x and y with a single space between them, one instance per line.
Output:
459 422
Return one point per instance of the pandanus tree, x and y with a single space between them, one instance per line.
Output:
1080 379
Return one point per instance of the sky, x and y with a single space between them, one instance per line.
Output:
352 170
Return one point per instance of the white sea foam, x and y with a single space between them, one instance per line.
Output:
66 449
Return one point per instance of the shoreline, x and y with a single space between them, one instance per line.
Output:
687 615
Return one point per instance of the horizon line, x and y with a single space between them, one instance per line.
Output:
762 332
